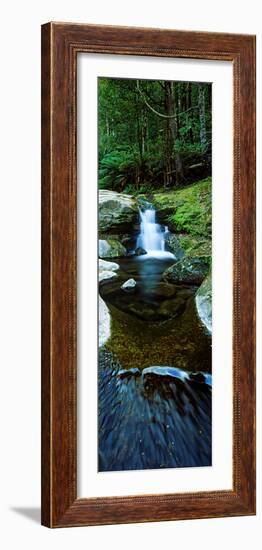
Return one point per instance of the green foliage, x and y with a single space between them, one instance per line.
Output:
194 209
146 189
117 169
139 148
196 245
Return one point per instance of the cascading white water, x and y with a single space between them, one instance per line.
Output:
151 237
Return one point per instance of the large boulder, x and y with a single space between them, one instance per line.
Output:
194 245
204 302
188 270
117 211
111 248
186 210
128 373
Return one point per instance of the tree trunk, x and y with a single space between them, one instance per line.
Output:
189 113
202 115
168 156
178 106
171 111
143 131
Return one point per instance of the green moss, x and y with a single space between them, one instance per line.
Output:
195 245
188 210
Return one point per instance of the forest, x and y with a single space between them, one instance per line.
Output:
153 134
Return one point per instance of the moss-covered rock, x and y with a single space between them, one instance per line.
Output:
187 210
188 270
173 245
188 214
111 248
194 245
204 302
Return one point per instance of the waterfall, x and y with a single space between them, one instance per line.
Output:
151 236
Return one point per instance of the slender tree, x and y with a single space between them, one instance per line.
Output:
202 115
173 128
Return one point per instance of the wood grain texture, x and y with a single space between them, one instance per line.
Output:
60 44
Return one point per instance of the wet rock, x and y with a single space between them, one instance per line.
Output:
116 211
130 284
111 248
164 209
164 372
188 270
107 270
155 374
128 373
204 302
201 378
195 245
143 202
104 322
173 245
140 251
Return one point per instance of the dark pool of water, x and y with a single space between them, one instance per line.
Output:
153 329
164 424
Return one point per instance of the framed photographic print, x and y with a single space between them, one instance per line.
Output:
148 275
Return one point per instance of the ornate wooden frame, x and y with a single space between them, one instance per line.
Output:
60 44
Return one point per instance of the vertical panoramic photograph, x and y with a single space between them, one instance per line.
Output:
155 274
